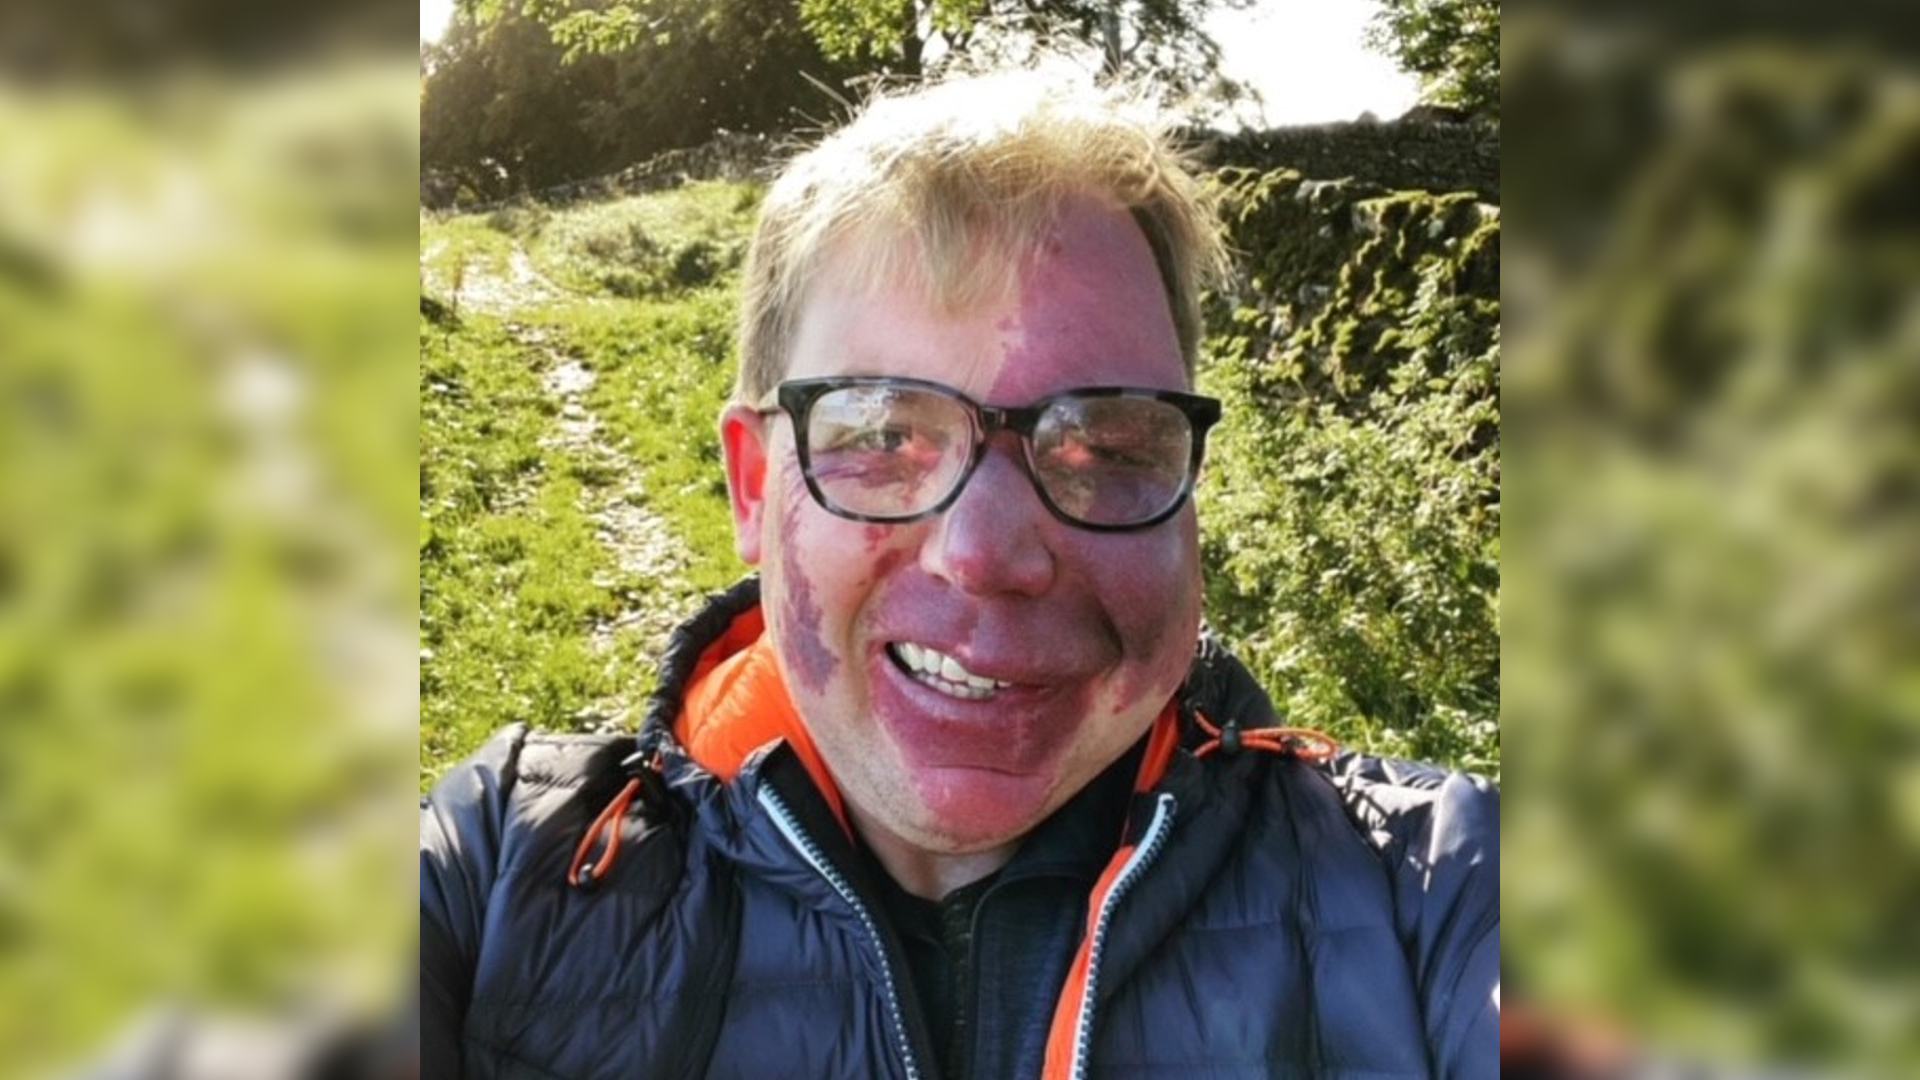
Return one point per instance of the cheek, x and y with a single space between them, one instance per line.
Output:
884 564
1155 612
881 554
802 644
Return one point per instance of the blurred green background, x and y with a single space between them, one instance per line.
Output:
1711 668
207 596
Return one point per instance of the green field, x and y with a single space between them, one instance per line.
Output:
572 507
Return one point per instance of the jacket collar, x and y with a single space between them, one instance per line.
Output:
724 772
721 722
737 702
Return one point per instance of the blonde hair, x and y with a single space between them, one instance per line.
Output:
970 173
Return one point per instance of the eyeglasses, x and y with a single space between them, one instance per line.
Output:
894 450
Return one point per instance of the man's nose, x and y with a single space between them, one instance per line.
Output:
993 538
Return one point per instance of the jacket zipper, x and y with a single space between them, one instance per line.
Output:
1143 856
790 828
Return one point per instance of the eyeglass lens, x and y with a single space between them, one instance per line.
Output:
894 452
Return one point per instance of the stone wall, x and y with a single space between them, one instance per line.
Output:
728 156
1412 153
1422 151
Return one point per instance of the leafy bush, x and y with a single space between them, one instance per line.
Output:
1351 507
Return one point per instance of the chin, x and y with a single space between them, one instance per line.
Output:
963 810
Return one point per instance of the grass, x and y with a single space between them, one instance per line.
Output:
646 246
528 613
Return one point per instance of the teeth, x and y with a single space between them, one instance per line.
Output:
944 673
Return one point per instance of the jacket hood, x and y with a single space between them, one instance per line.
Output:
726 625
736 702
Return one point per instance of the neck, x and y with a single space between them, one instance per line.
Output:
929 875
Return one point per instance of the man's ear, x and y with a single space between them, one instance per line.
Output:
744 436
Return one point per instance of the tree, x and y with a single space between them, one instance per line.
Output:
499 111
527 95
1163 38
524 94
1452 45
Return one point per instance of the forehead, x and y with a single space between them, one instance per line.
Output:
1083 306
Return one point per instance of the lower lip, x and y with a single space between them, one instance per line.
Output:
982 767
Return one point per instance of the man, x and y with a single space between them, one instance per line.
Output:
951 789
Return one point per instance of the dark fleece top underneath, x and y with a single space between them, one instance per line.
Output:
988 960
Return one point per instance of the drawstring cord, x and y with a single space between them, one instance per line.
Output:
584 874
1304 743
581 873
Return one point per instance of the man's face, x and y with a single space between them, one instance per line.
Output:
1094 630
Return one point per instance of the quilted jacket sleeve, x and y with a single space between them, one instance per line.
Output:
1439 833
460 830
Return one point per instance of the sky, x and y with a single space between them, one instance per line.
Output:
1307 59
433 18
1304 56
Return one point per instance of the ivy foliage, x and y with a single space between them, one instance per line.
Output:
1351 504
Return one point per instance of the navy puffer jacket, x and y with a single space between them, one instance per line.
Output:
1275 918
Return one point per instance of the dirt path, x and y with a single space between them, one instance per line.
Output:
522 286
477 287
641 545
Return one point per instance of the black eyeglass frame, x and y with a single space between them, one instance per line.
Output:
796 397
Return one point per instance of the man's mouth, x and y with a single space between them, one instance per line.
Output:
933 668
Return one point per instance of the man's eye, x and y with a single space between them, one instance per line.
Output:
888 439
872 439
1125 455
1087 453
